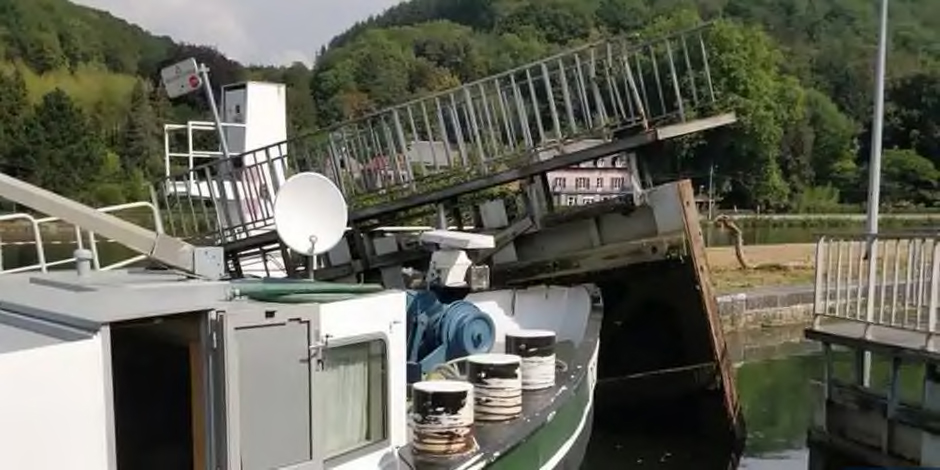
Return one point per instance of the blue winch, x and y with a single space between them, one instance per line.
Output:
439 332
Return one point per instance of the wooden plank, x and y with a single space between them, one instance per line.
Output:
696 246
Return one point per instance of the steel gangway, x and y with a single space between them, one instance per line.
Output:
623 93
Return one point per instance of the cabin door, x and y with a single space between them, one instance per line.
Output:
269 403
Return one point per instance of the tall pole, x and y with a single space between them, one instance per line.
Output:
874 179
204 74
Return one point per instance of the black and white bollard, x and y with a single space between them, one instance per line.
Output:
442 414
537 350
497 383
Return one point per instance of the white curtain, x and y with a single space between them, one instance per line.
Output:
347 389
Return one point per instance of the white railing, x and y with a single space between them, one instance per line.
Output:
897 287
43 264
193 156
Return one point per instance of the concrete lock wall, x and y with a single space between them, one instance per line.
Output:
768 307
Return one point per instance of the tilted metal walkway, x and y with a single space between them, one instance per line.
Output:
517 124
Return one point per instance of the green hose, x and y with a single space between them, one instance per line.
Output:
298 291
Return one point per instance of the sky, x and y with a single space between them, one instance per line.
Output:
250 31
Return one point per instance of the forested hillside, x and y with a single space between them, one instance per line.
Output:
79 112
799 72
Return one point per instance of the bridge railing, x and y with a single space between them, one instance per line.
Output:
898 288
530 113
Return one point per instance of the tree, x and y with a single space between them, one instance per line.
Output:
913 116
141 149
745 66
621 16
908 176
61 152
301 112
14 108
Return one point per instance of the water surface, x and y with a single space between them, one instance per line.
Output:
775 371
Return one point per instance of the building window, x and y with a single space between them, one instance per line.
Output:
616 183
587 200
571 201
582 183
600 183
558 183
352 390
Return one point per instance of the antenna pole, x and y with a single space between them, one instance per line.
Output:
207 85
874 183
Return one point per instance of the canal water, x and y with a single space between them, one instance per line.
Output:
791 230
777 382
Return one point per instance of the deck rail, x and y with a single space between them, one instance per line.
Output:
43 263
559 104
885 280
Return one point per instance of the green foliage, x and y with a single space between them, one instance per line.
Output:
818 200
140 146
54 34
909 178
77 89
96 90
79 114
13 110
60 150
797 74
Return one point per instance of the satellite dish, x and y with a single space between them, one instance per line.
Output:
310 213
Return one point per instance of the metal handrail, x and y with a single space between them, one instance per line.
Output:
43 265
906 280
480 128
37 238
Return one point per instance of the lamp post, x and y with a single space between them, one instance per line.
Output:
874 179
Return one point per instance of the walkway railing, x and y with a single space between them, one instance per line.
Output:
43 263
515 118
898 288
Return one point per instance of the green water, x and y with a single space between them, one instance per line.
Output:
779 386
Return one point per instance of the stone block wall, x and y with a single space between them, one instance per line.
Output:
771 307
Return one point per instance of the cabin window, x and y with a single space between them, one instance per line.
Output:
353 388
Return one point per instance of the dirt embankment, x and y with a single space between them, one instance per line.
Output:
784 264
